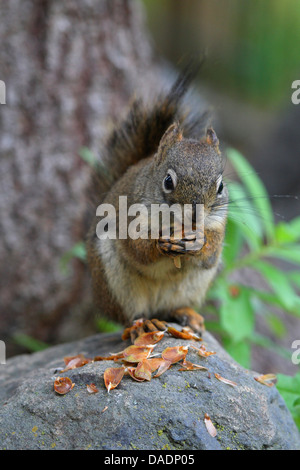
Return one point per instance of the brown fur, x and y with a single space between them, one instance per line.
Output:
134 278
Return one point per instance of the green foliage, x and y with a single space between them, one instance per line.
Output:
107 326
252 56
289 388
28 342
77 251
253 240
88 156
260 64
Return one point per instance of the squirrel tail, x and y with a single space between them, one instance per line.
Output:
138 135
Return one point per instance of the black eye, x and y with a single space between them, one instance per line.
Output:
220 188
168 183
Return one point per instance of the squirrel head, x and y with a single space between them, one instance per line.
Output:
190 172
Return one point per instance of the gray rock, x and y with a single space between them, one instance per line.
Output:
165 413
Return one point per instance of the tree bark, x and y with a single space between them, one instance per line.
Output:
69 68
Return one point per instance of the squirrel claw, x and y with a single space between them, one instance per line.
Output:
141 326
167 247
174 248
186 316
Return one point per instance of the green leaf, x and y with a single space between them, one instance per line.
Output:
77 251
240 351
28 342
236 313
297 402
289 253
273 299
289 384
251 222
233 243
289 388
288 232
267 343
88 156
279 282
276 325
107 326
242 214
294 277
295 227
255 189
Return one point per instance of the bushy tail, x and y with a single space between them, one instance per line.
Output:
139 134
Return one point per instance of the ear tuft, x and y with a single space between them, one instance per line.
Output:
172 135
212 139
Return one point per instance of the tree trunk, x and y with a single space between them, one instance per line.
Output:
69 68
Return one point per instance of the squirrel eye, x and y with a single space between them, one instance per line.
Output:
220 188
168 184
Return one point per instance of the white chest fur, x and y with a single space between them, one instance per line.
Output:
156 288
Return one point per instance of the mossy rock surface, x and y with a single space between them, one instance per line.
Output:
163 414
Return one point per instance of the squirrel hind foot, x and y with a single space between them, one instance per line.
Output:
186 316
143 325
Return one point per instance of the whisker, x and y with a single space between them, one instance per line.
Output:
234 173
246 224
253 198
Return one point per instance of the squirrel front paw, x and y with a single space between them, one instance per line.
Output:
189 245
170 248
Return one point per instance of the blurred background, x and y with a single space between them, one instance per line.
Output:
70 69
252 58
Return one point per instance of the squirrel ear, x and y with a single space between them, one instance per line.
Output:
212 139
172 135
